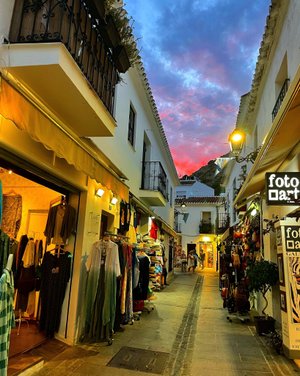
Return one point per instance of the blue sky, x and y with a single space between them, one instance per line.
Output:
200 58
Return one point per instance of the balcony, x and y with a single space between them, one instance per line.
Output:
154 184
206 227
222 223
280 98
58 51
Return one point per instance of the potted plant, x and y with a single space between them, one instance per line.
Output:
262 275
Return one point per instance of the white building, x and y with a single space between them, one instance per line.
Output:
270 116
200 218
70 130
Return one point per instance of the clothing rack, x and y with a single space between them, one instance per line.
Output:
62 199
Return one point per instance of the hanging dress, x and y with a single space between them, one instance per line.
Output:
7 318
104 267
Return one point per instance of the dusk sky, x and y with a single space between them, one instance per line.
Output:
199 56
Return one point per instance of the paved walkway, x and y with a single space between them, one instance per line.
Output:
189 329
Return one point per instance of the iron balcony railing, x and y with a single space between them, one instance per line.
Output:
206 228
77 26
154 178
279 100
222 222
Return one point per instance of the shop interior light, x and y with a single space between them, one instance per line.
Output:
99 192
236 141
114 200
254 212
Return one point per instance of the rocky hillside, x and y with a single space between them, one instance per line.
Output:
211 174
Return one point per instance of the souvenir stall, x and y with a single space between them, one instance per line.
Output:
236 252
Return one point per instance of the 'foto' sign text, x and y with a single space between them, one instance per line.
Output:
283 188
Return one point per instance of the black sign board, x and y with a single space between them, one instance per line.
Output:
283 188
292 238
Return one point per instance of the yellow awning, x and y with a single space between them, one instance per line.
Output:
23 114
280 147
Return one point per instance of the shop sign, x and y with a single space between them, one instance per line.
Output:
292 238
283 188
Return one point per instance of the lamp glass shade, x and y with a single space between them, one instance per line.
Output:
114 200
99 192
236 140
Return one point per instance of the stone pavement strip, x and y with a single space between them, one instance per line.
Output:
189 323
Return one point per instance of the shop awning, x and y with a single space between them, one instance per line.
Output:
24 114
280 146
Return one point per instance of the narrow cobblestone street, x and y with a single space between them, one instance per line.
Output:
189 326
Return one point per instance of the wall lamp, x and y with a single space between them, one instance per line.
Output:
113 200
236 141
183 205
99 192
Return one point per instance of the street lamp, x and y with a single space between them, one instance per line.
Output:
236 141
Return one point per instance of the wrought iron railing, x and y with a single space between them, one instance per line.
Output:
279 100
77 26
154 178
222 222
206 228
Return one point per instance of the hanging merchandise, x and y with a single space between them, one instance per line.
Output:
141 291
153 230
103 267
1 202
60 223
55 275
12 213
6 314
125 216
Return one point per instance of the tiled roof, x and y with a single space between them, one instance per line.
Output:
200 200
187 182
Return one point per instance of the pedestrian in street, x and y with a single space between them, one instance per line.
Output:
202 258
191 261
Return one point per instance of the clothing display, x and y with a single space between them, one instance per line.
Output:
11 214
103 267
4 249
141 291
125 216
7 317
60 223
1 202
55 275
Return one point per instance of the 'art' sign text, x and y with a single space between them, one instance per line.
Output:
292 238
283 188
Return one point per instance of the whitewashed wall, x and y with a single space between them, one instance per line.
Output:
120 151
197 189
6 9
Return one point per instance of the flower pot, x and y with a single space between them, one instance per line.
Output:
264 324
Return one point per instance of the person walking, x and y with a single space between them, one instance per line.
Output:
202 258
191 261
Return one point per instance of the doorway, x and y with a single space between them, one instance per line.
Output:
26 204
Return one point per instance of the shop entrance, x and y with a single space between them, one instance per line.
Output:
26 201
209 254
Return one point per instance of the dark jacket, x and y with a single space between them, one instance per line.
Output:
68 224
